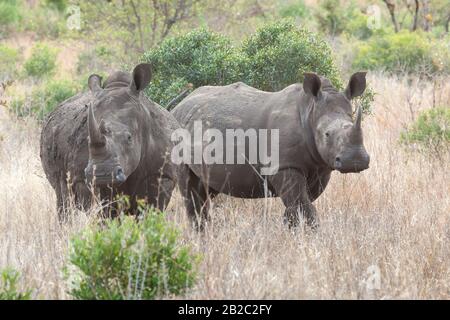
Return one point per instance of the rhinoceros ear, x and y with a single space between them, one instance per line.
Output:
312 84
356 85
142 75
95 83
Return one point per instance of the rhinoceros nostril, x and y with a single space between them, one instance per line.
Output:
337 163
120 175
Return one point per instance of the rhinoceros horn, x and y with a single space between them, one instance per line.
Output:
357 124
356 132
95 136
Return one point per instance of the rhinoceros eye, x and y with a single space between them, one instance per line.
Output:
104 128
327 134
129 138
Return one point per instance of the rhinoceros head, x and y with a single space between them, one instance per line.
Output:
338 138
115 126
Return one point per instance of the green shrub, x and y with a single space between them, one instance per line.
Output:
130 259
279 54
9 279
199 57
44 98
9 13
403 52
8 62
430 130
42 61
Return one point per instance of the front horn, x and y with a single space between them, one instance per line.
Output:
95 136
357 124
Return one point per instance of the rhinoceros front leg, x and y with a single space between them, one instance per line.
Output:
317 185
291 186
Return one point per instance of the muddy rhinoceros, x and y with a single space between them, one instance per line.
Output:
111 139
316 135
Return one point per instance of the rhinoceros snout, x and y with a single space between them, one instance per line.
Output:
352 162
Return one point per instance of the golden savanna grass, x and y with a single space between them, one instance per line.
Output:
384 233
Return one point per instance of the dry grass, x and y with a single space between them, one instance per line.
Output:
394 217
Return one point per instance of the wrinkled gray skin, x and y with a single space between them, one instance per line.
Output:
316 136
112 138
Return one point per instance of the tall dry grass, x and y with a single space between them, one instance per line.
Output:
384 233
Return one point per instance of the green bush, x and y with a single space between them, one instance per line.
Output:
431 129
9 279
9 13
130 259
42 61
8 62
279 54
199 57
45 98
403 52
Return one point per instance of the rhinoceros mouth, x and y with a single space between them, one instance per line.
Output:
354 168
113 177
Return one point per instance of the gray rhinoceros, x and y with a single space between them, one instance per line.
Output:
111 138
316 136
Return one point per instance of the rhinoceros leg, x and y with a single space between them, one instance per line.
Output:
317 185
291 186
60 202
197 197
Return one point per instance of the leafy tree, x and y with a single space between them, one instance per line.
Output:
136 24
